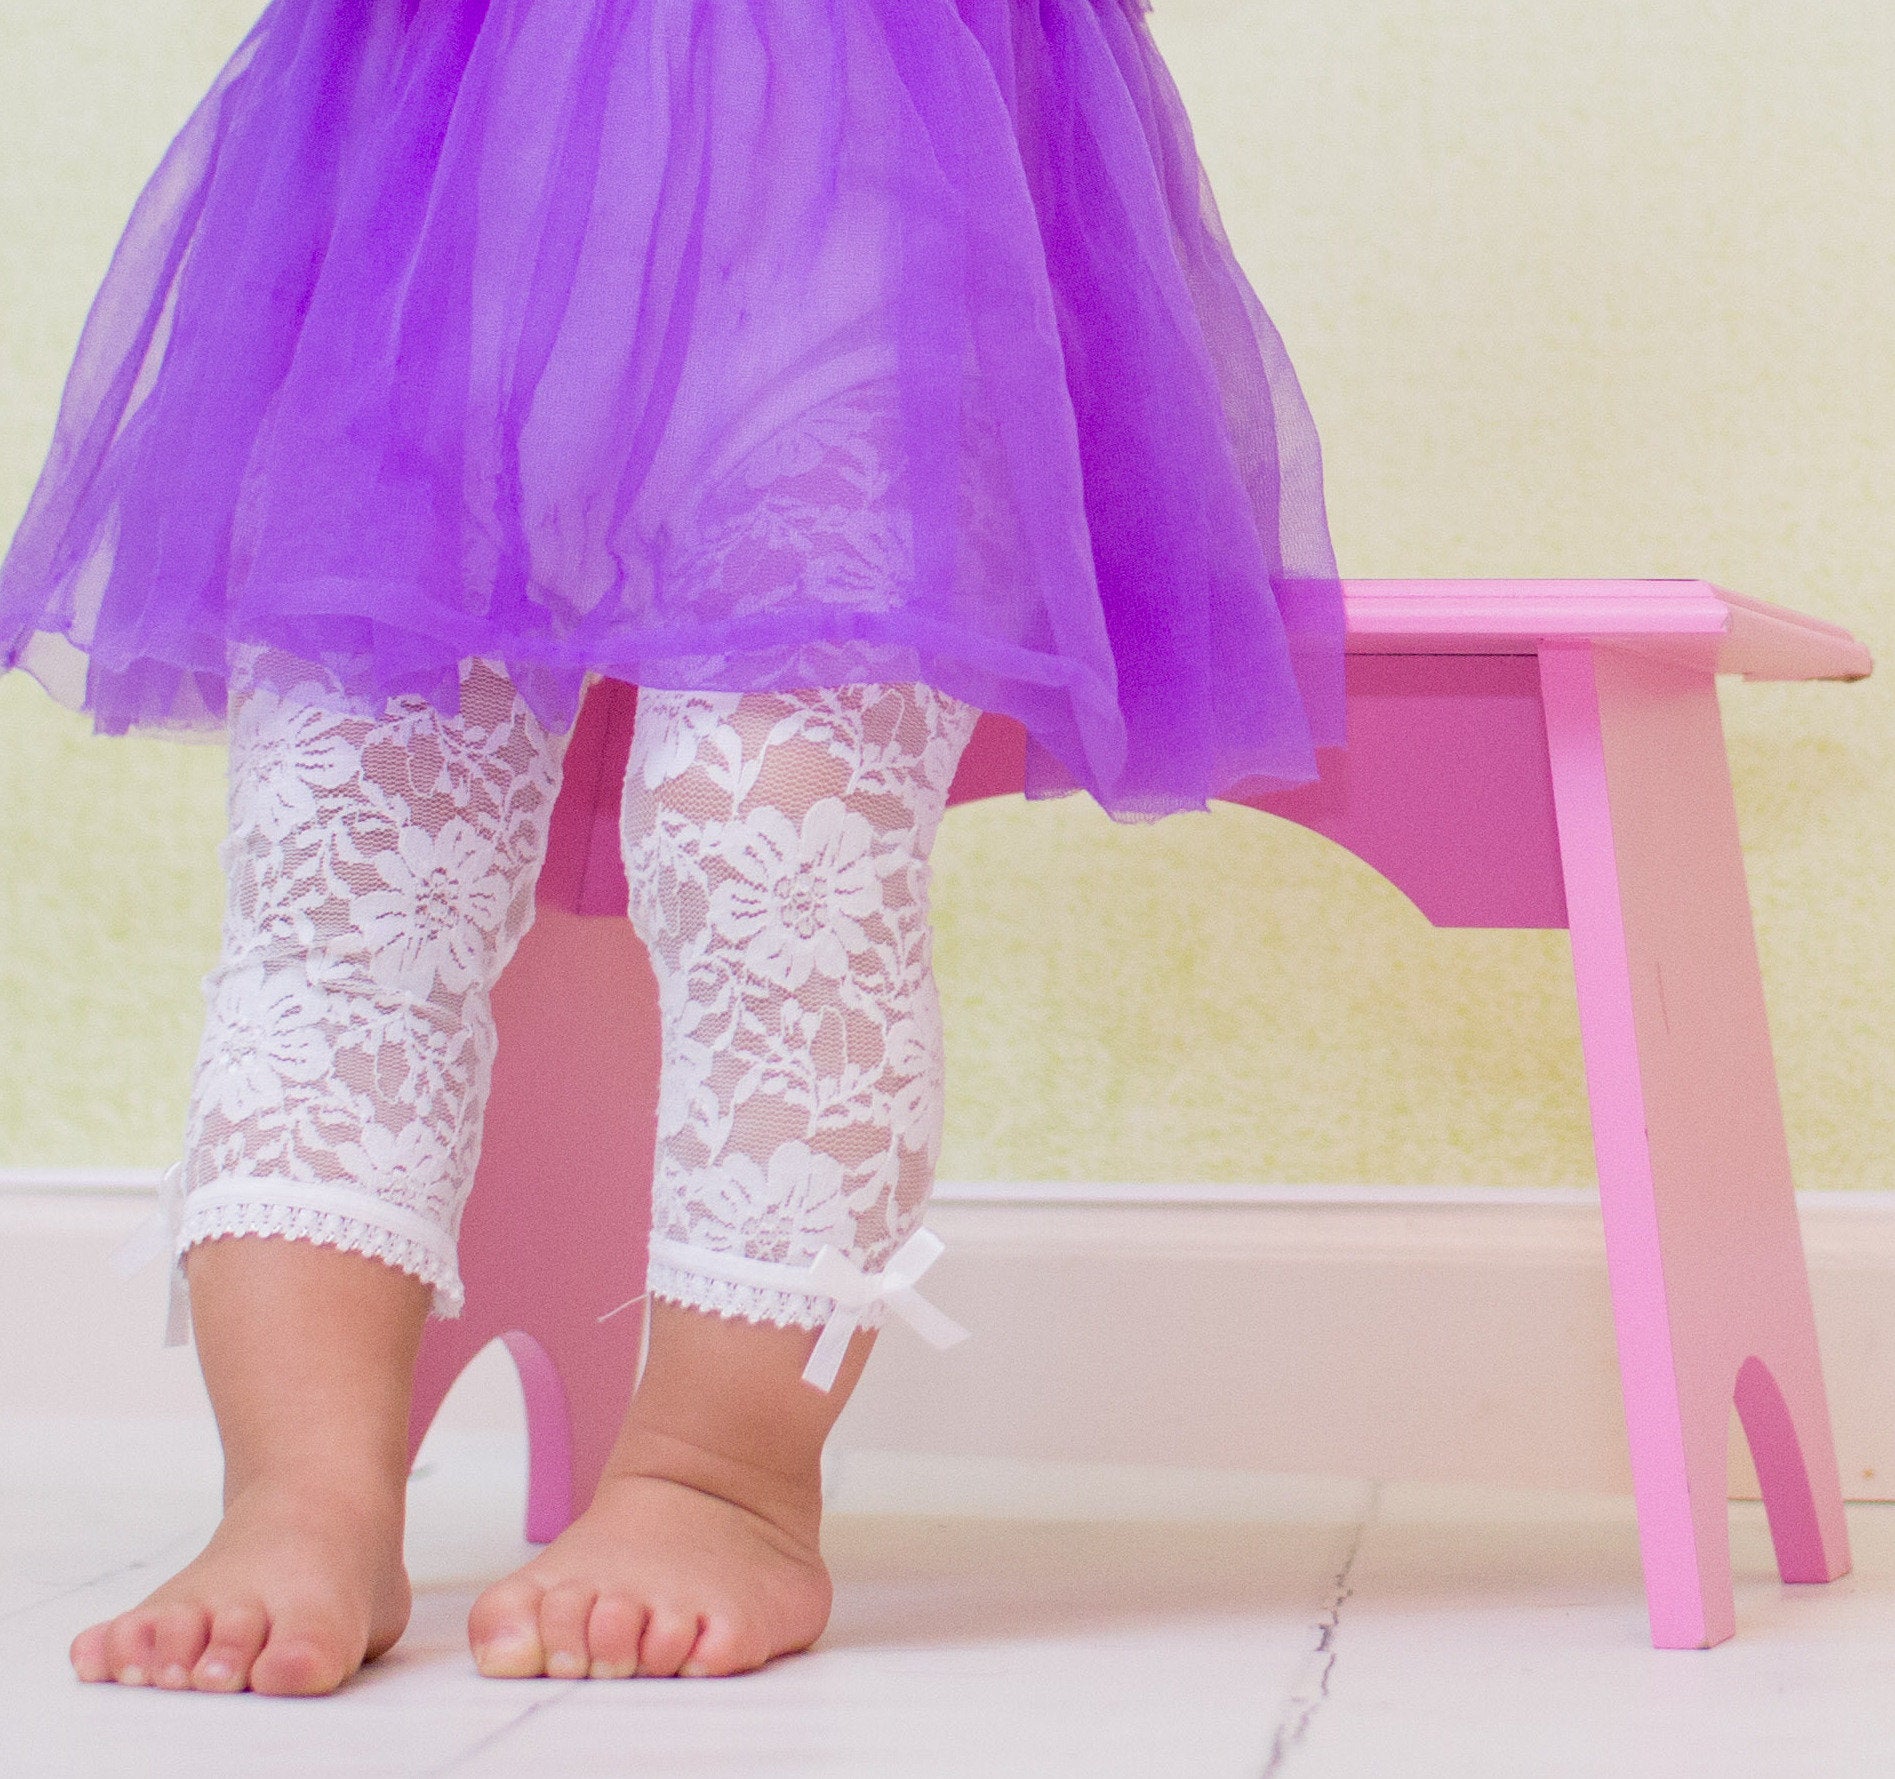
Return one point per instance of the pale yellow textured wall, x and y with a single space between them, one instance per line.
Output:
1575 288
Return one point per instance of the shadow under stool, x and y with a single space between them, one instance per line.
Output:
1521 754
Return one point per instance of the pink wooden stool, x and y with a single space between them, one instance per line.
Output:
1522 754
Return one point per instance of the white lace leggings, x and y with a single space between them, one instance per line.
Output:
381 873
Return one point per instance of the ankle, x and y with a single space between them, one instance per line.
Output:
722 1408
308 1353
365 1497
781 1488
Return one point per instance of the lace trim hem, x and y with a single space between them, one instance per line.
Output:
329 1229
677 1282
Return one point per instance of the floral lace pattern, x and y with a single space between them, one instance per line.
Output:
777 845
814 510
821 512
380 875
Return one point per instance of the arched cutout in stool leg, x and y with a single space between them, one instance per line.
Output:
553 1239
551 1473
549 1478
1796 1529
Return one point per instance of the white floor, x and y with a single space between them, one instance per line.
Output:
1264 1627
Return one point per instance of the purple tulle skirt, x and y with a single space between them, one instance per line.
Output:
712 344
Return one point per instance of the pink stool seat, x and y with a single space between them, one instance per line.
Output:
1522 754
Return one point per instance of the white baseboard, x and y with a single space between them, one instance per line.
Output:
1418 1335
1407 1334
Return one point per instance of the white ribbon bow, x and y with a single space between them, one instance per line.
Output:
835 1275
157 1235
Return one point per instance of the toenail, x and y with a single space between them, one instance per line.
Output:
565 1666
217 1669
131 1677
175 1675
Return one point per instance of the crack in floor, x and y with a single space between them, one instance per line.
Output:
1311 1691
59 1592
459 1762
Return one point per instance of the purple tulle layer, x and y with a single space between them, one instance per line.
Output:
733 346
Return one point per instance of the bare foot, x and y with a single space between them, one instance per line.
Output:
294 1592
308 1353
699 1554
657 1578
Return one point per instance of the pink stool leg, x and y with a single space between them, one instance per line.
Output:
1709 1288
555 1232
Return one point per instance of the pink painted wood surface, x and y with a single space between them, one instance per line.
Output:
583 872
1691 622
1503 772
1709 1290
1444 788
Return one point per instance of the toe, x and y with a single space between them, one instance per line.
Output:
89 1659
237 1638
178 1637
725 1645
668 1640
504 1631
128 1649
618 1622
565 1611
304 1658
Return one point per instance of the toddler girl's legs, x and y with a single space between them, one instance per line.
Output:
777 847
380 874
778 851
